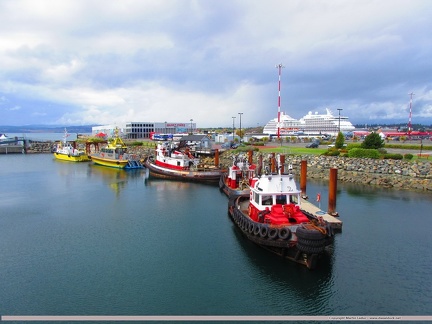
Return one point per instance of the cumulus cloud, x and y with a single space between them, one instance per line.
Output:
98 62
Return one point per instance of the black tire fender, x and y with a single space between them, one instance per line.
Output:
264 230
272 233
309 233
284 233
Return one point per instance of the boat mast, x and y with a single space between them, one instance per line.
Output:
279 67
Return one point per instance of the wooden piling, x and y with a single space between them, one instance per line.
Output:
303 178
260 164
250 157
273 163
332 192
216 159
282 161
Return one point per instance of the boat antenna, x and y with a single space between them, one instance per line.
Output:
410 115
279 67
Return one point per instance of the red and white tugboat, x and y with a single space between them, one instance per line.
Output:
272 217
239 177
171 163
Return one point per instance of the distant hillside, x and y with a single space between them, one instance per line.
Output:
46 129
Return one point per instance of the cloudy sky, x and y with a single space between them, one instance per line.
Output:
80 62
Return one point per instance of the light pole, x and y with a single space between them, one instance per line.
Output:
191 126
339 110
233 131
279 67
240 127
165 128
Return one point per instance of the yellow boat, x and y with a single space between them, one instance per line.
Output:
115 155
67 152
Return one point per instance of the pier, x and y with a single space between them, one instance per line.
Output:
310 208
21 145
12 149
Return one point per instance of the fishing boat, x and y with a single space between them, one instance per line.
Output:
115 155
272 217
236 181
171 163
67 151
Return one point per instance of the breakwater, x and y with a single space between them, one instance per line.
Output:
388 173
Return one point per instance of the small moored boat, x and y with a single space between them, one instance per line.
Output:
236 181
272 217
67 151
171 163
115 155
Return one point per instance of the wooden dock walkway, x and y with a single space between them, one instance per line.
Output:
335 222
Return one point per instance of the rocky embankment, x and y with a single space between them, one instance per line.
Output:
388 173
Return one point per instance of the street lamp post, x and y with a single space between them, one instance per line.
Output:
339 110
240 127
191 126
233 131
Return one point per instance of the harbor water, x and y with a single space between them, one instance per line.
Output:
79 239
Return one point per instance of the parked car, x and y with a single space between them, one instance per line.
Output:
333 145
312 145
229 145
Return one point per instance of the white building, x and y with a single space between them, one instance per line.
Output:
142 130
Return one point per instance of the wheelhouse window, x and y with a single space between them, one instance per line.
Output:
281 199
267 200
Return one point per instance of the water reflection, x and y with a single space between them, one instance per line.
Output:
116 179
291 285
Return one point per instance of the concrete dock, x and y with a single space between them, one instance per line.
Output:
335 222
12 149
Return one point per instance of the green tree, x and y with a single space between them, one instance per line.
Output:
340 141
373 141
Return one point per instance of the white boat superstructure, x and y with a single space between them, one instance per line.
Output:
287 125
325 123
311 124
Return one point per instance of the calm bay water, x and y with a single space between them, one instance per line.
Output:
78 239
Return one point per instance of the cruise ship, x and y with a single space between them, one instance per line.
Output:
311 124
288 126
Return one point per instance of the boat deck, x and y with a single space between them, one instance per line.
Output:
310 208
335 222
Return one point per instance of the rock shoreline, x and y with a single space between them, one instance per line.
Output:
398 174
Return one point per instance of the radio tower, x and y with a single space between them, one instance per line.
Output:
279 67
410 114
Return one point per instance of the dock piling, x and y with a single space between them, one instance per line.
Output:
332 192
303 178
216 159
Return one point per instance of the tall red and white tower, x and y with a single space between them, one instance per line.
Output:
410 114
279 67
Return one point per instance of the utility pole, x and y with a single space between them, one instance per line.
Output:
339 109
233 131
410 115
240 127
279 67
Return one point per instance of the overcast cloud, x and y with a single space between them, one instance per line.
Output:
82 62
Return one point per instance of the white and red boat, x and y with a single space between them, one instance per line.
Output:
272 217
236 181
171 163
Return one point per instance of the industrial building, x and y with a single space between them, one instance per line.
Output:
142 130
